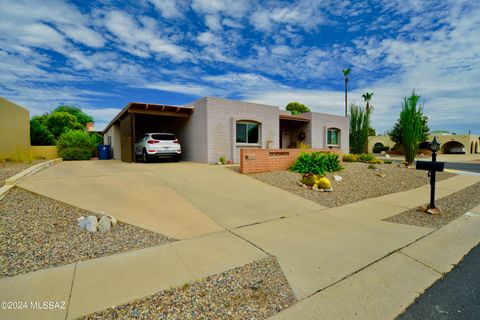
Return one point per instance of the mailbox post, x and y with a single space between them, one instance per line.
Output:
432 167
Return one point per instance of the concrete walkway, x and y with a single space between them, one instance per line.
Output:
335 259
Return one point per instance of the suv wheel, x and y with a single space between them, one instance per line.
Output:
144 156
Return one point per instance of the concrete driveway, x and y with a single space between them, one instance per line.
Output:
180 200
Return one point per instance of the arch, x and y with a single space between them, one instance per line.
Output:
476 147
378 147
471 147
453 147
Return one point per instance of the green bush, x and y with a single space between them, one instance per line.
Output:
222 159
350 158
316 163
359 128
387 161
76 145
39 134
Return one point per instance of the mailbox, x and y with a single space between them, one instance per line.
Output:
430 166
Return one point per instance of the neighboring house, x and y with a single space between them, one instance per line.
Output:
449 143
14 128
212 127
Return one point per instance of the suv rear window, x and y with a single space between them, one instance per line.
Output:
163 136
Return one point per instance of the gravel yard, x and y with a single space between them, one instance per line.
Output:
358 182
37 233
257 290
9 169
451 207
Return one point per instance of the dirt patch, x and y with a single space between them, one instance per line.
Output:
451 207
38 233
358 182
257 290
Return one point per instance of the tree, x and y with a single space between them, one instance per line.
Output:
371 132
346 73
359 128
297 108
82 117
39 134
76 145
367 97
59 122
411 125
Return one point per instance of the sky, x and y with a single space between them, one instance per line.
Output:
101 55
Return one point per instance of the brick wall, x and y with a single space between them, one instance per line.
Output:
264 160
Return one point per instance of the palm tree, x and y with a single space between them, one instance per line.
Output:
367 97
346 72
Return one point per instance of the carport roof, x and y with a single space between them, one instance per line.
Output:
151 109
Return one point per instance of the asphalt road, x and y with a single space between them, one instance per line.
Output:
465 166
457 296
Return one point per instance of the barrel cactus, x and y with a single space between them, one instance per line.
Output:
310 179
324 183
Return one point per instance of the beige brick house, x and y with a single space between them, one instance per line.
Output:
212 127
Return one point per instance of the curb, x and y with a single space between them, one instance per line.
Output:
13 181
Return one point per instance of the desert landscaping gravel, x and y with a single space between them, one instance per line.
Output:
257 290
358 182
9 169
451 207
37 233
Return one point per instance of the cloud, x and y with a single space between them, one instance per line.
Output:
167 8
141 40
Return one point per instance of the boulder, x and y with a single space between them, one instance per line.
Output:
82 222
337 178
91 223
104 224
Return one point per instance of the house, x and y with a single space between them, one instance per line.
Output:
14 128
212 127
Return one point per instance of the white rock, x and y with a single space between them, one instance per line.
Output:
113 220
383 152
91 224
82 222
104 224
387 156
337 178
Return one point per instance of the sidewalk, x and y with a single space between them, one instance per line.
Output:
339 262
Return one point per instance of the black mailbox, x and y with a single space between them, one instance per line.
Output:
430 166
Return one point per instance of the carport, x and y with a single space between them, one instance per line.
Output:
138 118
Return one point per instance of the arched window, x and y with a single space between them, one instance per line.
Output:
333 137
248 132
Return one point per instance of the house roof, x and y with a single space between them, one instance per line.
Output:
151 109
292 117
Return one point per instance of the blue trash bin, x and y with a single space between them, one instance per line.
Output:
103 151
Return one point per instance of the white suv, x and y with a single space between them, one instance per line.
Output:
152 145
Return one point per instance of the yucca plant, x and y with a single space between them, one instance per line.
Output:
359 128
411 124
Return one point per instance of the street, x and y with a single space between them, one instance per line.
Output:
457 296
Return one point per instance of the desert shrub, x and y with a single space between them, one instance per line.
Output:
387 161
350 158
380 149
359 128
363 157
372 167
222 159
316 163
76 145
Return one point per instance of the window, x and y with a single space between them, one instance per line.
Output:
248 132
333 137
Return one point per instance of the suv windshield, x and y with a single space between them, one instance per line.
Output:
163 136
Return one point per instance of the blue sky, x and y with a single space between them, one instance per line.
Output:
101 55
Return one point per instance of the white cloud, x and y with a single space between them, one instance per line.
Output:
231 8
141 40
213 22
167 8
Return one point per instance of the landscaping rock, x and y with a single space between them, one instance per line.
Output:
104 224
387 156
113 220
337 178
328 190
91 224
82 222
